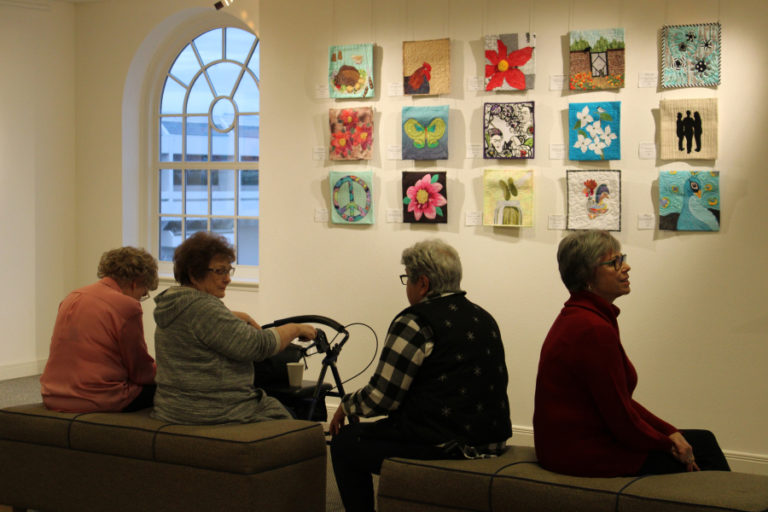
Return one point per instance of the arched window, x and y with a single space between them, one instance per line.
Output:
207 169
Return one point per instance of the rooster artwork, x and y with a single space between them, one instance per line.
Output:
427 67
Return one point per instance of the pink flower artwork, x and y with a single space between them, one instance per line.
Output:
425 197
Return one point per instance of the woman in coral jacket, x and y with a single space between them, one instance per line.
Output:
585 420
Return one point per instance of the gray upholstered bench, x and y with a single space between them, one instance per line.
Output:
515 482
128 461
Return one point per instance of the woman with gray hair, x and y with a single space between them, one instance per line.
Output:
98 359
585 421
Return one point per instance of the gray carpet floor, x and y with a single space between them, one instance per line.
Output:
26 390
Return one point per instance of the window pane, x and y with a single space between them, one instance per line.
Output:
170 191
225 228
223 77
249 138
170 236
247 95
239 43
186 65
253 64
223 146
223 114
170 139
223 193
209 46
173 97
200 97
195 225
248 241
248 194
197 193
197 139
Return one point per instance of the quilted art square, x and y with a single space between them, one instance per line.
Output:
594 131
508 130
690 55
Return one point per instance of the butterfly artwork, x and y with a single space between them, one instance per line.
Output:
596 59
351 133
594 199
689 200
351 197
509 62
425 197
688 129
594 131
350 71
690 55
427 67
508 198
508 130
425 133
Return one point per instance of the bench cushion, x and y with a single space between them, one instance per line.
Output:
235 447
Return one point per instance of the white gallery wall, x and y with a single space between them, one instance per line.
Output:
694 325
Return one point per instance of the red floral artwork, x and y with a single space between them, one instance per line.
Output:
504 66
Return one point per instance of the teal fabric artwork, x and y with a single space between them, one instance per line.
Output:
425 133
351 197
594 131
690 55
689 200
350 71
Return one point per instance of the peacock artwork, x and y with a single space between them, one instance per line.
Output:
508 130
689 200
508 198
690 55
594 131
351 197
596 59
688 129
350 71
351 133
510 62
425 133
425 197
427 67
594 199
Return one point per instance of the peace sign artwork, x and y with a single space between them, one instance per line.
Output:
351 197
425 133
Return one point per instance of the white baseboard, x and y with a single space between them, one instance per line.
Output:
14 371
522 435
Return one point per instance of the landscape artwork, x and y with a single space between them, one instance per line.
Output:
510 62
427 67
594 199
351 197
594 131
596 59
688 129
425 133
425 197
689 200
508 130
350 71
351 133
508 198
690 55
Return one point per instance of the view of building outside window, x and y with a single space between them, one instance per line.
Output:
208 162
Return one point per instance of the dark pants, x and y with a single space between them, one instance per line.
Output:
145 399
706 451
358 452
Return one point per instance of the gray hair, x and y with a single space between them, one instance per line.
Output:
579 254
438 261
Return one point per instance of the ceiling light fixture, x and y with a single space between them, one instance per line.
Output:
222 4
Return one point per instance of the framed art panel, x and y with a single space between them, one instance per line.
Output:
596 59
509 62
688 129
594 131
508 130
351 197
351 133
427 67
425 133
689 200
425 197
690 55
594 199
350 71
508 198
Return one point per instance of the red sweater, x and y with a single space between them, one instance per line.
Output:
585 421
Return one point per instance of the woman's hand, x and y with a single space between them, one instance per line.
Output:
683 452
339 417
245 317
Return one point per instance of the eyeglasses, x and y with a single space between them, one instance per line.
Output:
404 278
617 262
223 271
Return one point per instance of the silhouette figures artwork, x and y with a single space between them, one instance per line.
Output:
689 128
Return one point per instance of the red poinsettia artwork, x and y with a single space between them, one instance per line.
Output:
351 133
504 67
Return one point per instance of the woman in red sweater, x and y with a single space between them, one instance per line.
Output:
585 420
